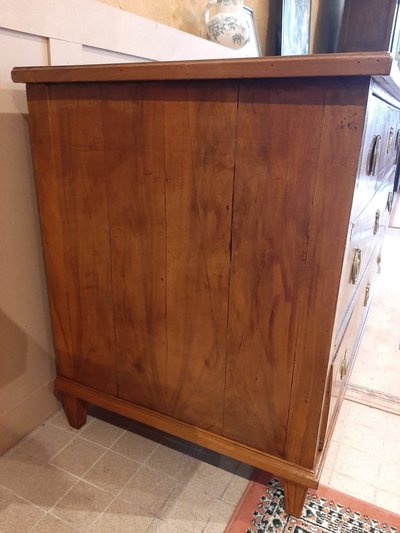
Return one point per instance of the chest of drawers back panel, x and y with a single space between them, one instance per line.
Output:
194 235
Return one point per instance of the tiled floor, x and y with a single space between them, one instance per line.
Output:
117 476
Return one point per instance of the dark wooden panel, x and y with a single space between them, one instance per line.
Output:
367 25
77 145
279 133
200 125
133 122
338 152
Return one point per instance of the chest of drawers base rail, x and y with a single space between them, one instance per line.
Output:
195 221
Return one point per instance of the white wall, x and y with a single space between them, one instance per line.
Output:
43 32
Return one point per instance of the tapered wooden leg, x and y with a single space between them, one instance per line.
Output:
295 496
75 410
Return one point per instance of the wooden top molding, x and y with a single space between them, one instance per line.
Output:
348 64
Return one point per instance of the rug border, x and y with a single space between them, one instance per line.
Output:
240 519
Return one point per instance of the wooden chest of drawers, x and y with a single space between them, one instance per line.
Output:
208 268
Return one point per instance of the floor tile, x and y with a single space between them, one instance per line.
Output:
362 438
353 487
148 490
45 442
17 515
388 500
389 477
332 455
82 505
135 446
112 472
169 526
17 467
219 515
187 506
326 476
51 524
102 433
172 462
210 479
356 464
234 490
78 456
122 517
391 449
47 486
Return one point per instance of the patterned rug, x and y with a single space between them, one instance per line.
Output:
321 514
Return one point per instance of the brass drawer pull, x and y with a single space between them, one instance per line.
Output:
390 140
343 367
356 266
376 149
389 203
378 262
367 294
377 221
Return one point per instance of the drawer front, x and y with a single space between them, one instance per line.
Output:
345 350
364 236
379 152
345 353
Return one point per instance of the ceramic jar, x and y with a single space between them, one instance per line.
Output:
228 26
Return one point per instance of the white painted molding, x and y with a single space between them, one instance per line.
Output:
97 25
64 52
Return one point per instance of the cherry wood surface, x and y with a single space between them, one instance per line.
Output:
363 64
340 143
200 159
135 169
295 496
195 233
278 145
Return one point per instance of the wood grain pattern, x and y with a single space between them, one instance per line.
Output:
133 126
341 136
199 168
78 145
371 63
51 225
295 496
279 129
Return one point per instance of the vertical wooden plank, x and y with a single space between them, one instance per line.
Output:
78 150
51 224
200 125
339 148
279 131
133 122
